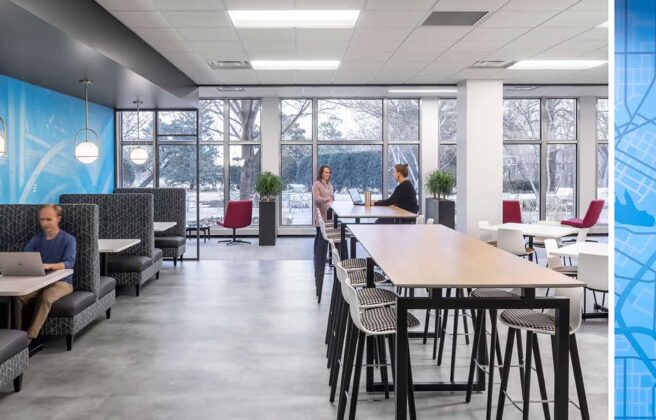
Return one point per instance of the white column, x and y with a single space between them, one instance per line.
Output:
480 154
270 136
429 141
587 152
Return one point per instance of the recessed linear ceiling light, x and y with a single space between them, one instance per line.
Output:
228 65
556 64
422 90
294 18
294 64
230 89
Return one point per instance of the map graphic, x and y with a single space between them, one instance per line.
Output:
635 208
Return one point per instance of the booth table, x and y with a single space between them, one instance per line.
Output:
435 257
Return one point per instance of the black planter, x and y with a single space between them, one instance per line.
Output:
267 222
442 211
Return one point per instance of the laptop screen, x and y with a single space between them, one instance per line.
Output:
355 195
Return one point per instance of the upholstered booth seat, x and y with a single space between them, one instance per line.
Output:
72 304
107 285
169 241
128 263
11 342
14 357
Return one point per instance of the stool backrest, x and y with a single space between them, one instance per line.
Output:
430 221
484 235
553 261
349 293
593 271
511 240
575 295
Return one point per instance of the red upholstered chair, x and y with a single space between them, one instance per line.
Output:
239 214
591 216
512 211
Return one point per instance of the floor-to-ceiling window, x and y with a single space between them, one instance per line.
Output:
170 138
602 155
448 135
540 156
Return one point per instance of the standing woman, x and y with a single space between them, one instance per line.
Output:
322 196
404 195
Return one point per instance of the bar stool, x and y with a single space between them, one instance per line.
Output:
368 297
377 322
442 333
534 323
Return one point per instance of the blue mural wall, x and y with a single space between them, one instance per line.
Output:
40 163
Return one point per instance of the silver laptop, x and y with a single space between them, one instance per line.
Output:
356 197
21 264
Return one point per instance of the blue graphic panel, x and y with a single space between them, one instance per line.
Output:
40 163
635 208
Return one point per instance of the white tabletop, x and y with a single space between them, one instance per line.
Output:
537 229
350 210
23 285
162 226
115 245
434 256
574 250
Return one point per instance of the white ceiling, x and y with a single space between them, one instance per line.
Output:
387 46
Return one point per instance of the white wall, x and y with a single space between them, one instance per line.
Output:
429 141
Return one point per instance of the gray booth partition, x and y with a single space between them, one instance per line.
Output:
169 206
92 295
123 216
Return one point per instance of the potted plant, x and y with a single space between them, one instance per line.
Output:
440 185
268 187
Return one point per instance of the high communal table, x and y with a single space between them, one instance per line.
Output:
112 246
435 257
348 210
162 226
573 251
531 230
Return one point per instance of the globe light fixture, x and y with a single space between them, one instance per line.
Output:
86 151
138 155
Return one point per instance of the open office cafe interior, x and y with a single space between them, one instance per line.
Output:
158 126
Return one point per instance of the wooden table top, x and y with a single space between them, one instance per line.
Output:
348 209
434 256
23 285
162 226
575 249
537 229
115 245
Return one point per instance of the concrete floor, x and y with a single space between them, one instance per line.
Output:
238 340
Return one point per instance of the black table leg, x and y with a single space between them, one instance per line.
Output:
402 357
561 362
530 245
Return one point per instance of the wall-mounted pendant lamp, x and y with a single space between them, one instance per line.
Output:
86 151
138 155
3 139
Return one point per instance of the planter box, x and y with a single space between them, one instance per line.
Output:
442 211
267 222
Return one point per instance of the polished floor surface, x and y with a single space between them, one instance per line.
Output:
238 340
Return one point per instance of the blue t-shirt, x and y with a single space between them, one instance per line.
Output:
61 248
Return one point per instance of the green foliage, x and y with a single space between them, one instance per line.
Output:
440 184
268 186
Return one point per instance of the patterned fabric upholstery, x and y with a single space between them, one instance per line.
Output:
21 222
383 320
370 296
14 367
491 293
354 264
122 217
359 278
529 319
169 206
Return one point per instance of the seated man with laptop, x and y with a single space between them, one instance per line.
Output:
58 250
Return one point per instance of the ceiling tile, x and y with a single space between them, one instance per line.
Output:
272 50
577 18
164 46
599 54
257 34
396 18
188 5
353 76
481 46
382 39
258 4
469 5
394 4
314 76
316 34
276 77
157 34
495 34
330 5
218 50
142 19
127 4
532 5
514 19
197 19
591 5
571 49
236 76
360 65
316 50
596 34
426 56
208 34
366 56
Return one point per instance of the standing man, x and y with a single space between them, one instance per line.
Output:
58 250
